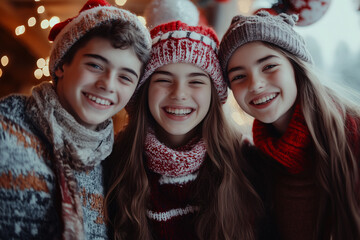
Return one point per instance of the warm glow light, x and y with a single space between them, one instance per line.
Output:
120 2
20 30
40 63
0 72
244 5
4 60
41 9
237 118
31 22
142 20
37 0
45 24
46 71
38 73
54 20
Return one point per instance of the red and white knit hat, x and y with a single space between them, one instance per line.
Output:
93 14
177 42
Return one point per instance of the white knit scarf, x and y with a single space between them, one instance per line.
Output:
174 162
75 147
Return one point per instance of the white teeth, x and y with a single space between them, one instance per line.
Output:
98 100
177 111
264 99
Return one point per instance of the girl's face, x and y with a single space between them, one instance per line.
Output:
98 82
263 83
179 99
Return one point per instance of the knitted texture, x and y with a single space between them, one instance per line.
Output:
296 197
174 163
93 14
29 171
171 207
277 30
289 149
176 42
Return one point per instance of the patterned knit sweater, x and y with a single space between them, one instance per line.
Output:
171 213
172 174
29 195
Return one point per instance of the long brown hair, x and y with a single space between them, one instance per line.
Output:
228 204
337 173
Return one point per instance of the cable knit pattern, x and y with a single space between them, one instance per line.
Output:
44 150
171 206
289 148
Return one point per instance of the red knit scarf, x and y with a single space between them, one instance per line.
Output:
174 162
292 148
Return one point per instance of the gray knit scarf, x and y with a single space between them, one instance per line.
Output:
75 147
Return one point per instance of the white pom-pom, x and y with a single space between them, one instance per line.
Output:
162 11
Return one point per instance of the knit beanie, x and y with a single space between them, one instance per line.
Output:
177 42
93 14
277 30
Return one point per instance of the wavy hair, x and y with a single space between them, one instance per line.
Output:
229 206
337 169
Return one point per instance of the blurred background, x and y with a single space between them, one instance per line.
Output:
330 27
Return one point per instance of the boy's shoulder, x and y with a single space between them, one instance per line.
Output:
12 107
17 132
27 181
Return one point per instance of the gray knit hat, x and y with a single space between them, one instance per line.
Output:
93 14
277 30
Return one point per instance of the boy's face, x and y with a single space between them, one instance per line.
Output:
98 82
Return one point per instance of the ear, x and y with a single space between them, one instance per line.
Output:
59 72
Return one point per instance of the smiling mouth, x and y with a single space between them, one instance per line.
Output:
264 100
98 100
178 111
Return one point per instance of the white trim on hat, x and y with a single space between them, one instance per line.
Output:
186 34
63 42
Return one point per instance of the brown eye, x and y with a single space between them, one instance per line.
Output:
267 67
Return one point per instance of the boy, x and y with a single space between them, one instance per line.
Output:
52 142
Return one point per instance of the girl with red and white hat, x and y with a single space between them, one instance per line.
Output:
176 169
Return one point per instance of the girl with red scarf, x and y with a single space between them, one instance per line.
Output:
309 135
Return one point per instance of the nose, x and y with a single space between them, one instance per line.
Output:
256 83
179 91
106 81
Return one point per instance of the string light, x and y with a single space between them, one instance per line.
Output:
54 20
142 20
40 63
38 73
1 72
20 30
4 60
31 22
46 71
41 9
45 24
120 2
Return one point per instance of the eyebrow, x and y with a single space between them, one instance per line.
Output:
193 74
257 63
101 58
